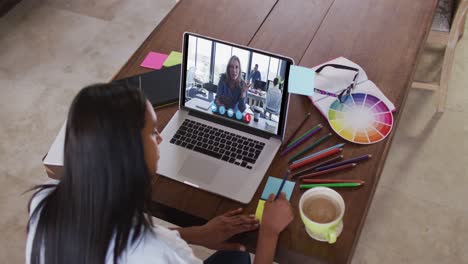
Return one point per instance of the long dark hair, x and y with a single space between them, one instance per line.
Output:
239 80
103 192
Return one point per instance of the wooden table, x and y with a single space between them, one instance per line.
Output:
385 37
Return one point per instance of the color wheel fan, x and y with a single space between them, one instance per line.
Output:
361 119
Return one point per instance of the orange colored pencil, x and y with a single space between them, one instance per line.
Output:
315 158
329 180
351 165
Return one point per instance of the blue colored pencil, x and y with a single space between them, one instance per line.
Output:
318 153
344 162
303 139
286 174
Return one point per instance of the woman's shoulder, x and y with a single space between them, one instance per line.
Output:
223 82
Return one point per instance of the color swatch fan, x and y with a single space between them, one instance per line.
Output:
362 118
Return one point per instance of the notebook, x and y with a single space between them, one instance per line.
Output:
272 186
161 87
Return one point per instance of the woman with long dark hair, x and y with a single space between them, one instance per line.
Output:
97 212
232 88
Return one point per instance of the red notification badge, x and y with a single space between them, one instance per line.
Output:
248 118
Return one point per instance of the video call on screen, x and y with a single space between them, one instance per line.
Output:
235 83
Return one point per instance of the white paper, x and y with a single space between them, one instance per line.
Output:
55 154
335 80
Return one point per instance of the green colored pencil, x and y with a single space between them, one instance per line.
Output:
301 137
340 184
313 145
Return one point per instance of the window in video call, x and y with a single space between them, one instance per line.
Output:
239 84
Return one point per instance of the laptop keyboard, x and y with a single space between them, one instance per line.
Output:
218 143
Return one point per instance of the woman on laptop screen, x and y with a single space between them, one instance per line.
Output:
231 88
98 211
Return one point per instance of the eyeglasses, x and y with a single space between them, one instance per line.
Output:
345 93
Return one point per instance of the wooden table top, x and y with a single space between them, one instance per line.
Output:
385 37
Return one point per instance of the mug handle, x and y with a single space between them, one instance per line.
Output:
331 235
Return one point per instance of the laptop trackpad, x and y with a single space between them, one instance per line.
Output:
199 170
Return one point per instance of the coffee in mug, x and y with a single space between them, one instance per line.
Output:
322 210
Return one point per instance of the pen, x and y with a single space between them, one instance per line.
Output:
285 177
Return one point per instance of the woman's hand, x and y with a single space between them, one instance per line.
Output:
219 229
277 215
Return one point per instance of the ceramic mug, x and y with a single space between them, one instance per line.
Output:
323 231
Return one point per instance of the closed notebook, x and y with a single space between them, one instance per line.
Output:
161 87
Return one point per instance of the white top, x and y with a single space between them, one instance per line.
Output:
273 99
164 246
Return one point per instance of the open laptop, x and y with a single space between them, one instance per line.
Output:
218 140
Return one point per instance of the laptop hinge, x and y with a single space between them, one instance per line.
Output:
218 120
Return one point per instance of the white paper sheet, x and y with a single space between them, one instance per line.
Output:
335 80
55 154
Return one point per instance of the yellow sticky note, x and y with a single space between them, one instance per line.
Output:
174 58
259 211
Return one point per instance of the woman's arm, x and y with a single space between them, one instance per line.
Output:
241 101
266 247
241 104
220 91
276 217
215 233
190 234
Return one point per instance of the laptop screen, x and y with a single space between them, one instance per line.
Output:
230 81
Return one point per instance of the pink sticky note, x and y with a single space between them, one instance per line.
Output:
154 60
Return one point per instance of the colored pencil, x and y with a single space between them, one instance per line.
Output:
365 157
313 145
330 181
297 129
315 158
319 152
285 177
341 184
303 139
326 162
303 135
352 165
